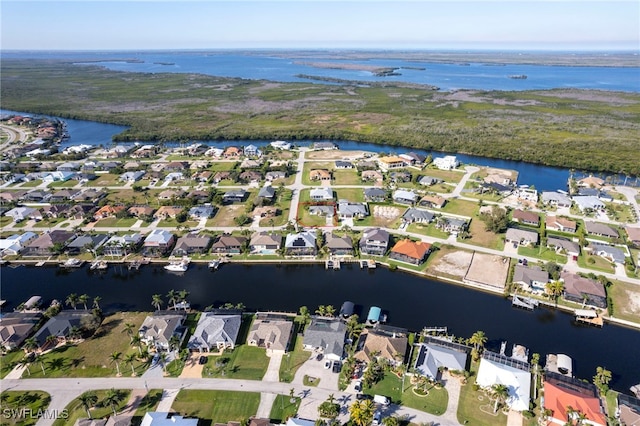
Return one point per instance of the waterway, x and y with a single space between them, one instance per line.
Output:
257 65
410 301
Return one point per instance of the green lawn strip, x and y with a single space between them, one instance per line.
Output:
461 207
49 223
9 360
427 229
346 177
435 402
76 411
543 253
446 175
390 386
219 166
475 407
283 408
355 195
599 264
64 184
216 406
114 222
483 238
611 400
148 403
31 183
22 407
293 360
244 362
90 357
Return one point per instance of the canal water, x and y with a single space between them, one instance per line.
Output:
410 301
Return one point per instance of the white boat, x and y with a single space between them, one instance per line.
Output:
100 265
72 263
214 264
177 266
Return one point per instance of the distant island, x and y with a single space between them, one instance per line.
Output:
518 76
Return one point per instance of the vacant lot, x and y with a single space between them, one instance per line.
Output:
626 301
488 269
226 214
216 406
450 262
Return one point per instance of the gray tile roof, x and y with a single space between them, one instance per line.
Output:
214 329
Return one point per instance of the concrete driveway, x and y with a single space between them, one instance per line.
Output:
314 368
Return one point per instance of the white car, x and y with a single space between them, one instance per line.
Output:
327 364
358 385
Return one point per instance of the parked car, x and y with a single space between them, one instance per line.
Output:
363 396
337 366
377 418
202 360
327 364
358 386
319 357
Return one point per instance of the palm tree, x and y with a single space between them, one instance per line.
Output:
38 358
174 342
478 339
330 310
83 298
182 295
128 328
96 302
136 340
156 300
88 399
24 362
115 358
163 361
51 340
500 392
130 359
391 421
361 412
30 345
74 333
602 379
555 289
172 298
72 300
304 313
322 310
112 398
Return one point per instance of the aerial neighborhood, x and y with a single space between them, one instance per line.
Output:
574 248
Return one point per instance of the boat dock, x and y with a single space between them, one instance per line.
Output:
368 263
524 302
134 265
589 316
427 330
332 264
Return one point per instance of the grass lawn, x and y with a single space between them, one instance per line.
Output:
225 215
351 194
19 400
90 358
461 207
483 238
31 183
313 165
219 166
446 175
5 221
66 184
283 408
435 402
428 229
611 399
114 222
293 360
599 264
476 407
148 403
48 223
347 177
106 180
307 219
625 297
390 386
543 253
172 223
244 362
76 410
216 406
8 361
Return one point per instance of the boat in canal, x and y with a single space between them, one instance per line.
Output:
181 266
72 263
99 265
347 309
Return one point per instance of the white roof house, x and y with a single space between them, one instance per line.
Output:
321 194
588 202
13 244
21 213
281 145
156 418
447 162
496 369
158 237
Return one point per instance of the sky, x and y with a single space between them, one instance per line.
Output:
417 24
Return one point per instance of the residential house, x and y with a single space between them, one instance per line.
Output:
371 176
250 163
155 418
400 177
61 325
320 174
11 196
64 195
131 176
166 212
15 327
448 162
134 165
561 224
561 393
374 241
37 196
14 244
382 344
590 182
452 225
158 243
600 229
274 175
108 210
90 195
323 210
176 166
326 336
526 217
232 152
220 176
141 211
173 176
18 214
84 243
216 330
349 210
413 215
301 244
169 194
432 201
324 193
628 409
271 333
264 242
378 195
521 237
390 162
363 165
435 354
404 197
531 278
250 176
48 243
228 244
200 196
201 212
58 176
252 151
496 369
191 244
339 246
562 245
526 193
323 146
281 145
343 165
411 158
145 151
202 176
589 203
55 210
611 253
214 152
234 196
410 251
428 180
157 329
267 193
583 290
633 235
121 245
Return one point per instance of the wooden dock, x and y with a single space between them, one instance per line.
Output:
426 330
524 302
589 316
332 264
368 263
